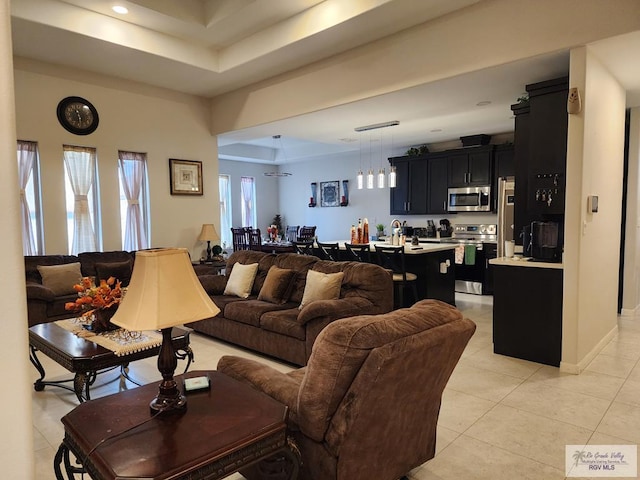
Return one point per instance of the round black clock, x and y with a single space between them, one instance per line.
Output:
77 115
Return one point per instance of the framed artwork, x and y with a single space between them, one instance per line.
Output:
330 194
185 177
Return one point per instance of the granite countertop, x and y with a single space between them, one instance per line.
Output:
408 249
519 261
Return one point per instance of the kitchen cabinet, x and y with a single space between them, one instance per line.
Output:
471 166
503 163
527 313
409 197
437 184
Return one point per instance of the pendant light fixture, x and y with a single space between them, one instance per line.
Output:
381 172
371 178
277 140
392 169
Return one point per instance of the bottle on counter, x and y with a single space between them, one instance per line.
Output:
359 232
365 231
396 239
353 234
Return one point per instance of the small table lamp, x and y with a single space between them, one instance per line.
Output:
164 291
208 234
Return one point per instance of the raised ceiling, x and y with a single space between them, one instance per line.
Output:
209 47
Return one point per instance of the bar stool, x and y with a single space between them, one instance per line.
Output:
392 258
329 251
304 247
358 252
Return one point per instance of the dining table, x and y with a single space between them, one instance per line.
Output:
277 247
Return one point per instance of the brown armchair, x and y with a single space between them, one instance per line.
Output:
367 403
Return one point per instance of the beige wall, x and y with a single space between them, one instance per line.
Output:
631 290
489 33
16 445
592 240
132 117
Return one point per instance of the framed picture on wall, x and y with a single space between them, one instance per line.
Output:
330 194
185 177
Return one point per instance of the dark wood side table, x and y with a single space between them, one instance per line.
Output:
86 359
224 429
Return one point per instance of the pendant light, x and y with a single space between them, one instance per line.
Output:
360 176
392 177
381 172
277 139
370 177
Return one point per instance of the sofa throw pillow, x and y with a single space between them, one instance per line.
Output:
241 280
277 285
119 270
321 286
60 278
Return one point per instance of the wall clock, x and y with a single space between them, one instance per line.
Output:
77 115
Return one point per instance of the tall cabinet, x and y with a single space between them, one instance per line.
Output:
410 195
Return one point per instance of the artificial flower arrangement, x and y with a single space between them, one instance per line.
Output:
272 231
97 303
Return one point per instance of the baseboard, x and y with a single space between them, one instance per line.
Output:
578 368
628 312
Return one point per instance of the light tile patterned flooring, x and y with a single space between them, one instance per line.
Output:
501 418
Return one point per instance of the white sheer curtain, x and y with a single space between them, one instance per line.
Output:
80 165
133 168
27 152
224 187
247 189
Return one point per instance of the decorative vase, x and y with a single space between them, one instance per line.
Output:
102 319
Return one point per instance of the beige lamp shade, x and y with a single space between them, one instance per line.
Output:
208 233
164 291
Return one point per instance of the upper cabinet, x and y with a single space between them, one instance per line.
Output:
409 197
437 184
471 166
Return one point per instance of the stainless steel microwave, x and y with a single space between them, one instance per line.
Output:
470 199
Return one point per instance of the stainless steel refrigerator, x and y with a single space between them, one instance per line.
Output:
506 204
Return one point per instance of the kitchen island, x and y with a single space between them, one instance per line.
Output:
433 264
527 309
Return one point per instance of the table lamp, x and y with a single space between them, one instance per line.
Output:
208 234
164 292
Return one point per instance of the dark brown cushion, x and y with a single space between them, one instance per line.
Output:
277 285
119 270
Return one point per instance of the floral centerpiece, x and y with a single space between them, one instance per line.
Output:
97 303
272 231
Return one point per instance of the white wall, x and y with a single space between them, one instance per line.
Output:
16 444
631 290
132 117
595 154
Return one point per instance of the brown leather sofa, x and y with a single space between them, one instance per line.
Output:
44 305
366 405
283 330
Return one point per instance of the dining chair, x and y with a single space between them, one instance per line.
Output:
307 233
304 247
358 252
392 258
255 240
329 251
291 234
240 238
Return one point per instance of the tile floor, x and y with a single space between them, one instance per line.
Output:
501 418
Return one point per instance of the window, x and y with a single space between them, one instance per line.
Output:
248 201
82 198
133 200
224 187
31 212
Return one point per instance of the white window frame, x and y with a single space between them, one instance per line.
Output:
226 218
134 212
248 201
31 195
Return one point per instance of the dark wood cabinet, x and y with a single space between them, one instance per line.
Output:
471 166
437 184
527 313
409 197
503 166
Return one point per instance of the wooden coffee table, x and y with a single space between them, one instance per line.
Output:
86 359
224 429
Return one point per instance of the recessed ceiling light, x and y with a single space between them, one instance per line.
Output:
120 9
483 103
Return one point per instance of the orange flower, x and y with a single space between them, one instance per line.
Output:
90 297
